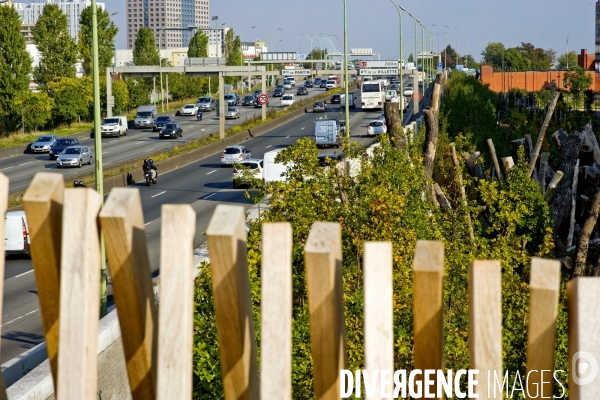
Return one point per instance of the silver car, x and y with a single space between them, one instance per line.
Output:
232 113
43 143
234 155
74 156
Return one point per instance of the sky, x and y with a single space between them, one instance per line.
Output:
374 23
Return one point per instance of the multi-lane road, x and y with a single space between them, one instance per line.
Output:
203 184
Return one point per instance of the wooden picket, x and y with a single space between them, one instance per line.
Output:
158 347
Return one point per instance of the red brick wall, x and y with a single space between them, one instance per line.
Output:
529 80
587 61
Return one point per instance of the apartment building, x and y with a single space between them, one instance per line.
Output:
164 14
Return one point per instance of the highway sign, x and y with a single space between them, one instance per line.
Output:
420 96
379 71
263 99
379 64
295 72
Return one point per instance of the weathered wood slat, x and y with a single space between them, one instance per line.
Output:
323 261
122 222
490 144
276 312
43 204
176 316
226 235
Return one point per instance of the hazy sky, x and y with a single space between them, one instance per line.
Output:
374 23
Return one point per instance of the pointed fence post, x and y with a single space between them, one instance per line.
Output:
122 223
276 312
323 261
379 328
43 204
428 275
176 316
544 284
80 296
485 325
226 235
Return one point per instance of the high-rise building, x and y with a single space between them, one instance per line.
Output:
160 14
216 40
30 12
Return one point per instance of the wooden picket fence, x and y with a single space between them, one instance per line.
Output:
65 227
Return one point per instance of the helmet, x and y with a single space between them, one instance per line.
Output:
150 161
145 160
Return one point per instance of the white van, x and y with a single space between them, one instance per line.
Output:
145 117
273 171
114 126
16 233
287 100
343 101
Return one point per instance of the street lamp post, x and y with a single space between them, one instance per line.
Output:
455 50
445 47
415 95
464 61
400 61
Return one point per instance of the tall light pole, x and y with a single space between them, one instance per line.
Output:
445 47
400 61
415 95
347 105
464 62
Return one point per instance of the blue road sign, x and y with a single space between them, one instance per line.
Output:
440 65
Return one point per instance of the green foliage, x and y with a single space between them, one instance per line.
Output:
198 46
470 62
121 94
72 99
411 58
578 80
15 66
37 110
107 30
450 56
493 55
144 51
567 60
541 59
521 58
137 91
57 48
515 61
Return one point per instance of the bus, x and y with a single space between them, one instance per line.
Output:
372 95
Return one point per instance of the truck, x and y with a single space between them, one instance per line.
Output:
273 171
410 65
327 133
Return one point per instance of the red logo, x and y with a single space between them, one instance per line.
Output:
420 96
363 64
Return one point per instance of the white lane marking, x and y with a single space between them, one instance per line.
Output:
211 172
14 320
24 273
158 194
6 168
287 136
114 140
106 152
29 162
268 146
147 223
31 312
210 195
302 129
138 142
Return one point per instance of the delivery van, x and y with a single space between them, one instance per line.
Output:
114 126
16 233
145 117
273 171
327 133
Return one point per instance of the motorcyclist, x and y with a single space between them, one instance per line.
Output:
150 167
199 115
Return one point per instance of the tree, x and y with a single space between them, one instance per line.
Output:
411 58
36 109
493 54
144 51
57 48
578 80
121 94
198 46
233 48
470 62
72 98
515 61
541 59
107 30
567 60
450 56
137 92
15 66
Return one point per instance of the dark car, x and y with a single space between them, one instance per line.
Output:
60 145
248 100
278 92
257 104
302 91
161 122
171 131
317 81
257 92
335 99
323 84
308 83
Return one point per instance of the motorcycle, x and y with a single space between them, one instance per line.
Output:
199 115
148 176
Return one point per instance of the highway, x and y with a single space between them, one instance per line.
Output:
203 184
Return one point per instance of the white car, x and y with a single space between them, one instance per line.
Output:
390 94
408 91
189 109
376 127
287 84
241 178
330 84
290 79
287 100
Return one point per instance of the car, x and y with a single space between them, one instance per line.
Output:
232 113
257 92
248 100
171 131
408 91
232 99
391 94
255 171
278 92
381 117
308 84
207 103
326 160
189 109
394 86
319 106
287 84
336 79
376 127
287 100
323 84
74 156
290 79
161 122
234 155
330 84
302 91
335 99
43 143
317 81
60 145
257 104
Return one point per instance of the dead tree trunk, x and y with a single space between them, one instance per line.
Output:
540 139
394 125
573 204
462 190
431 141
593 142
560 203
474 168
584 237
